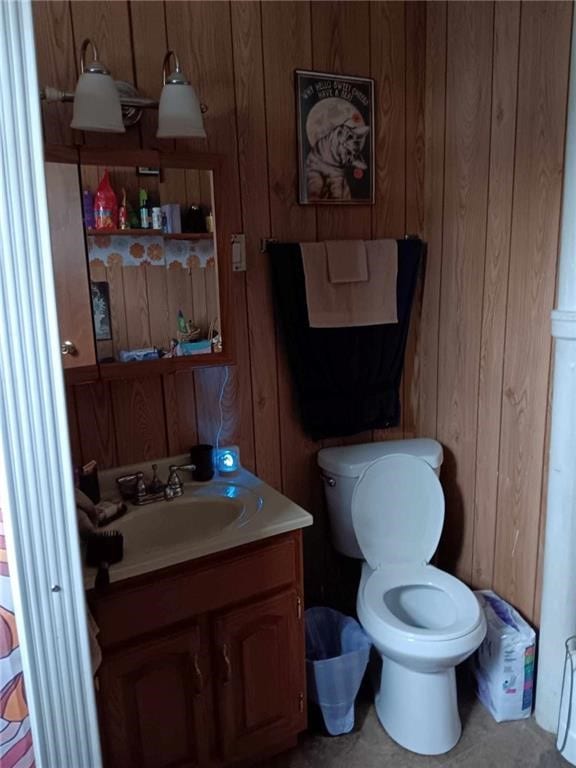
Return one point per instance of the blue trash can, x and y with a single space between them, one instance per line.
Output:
337 651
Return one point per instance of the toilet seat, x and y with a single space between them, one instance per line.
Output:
405 597
452 613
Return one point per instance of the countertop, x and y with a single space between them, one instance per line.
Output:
148 529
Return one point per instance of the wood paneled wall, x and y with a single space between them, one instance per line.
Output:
497 76
471 101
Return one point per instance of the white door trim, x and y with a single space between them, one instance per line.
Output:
37 484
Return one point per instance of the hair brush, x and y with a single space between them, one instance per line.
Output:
103 549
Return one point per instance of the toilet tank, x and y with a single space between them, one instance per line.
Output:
341 467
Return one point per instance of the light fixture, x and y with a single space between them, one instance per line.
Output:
96 100
111 106
179 111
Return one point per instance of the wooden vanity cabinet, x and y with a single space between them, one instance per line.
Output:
203 663
153 704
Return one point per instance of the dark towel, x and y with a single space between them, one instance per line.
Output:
347 380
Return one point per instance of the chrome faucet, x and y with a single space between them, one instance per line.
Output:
175 486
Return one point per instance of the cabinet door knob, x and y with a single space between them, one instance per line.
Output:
198 677
227 665
68 348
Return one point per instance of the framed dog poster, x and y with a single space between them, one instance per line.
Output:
335 138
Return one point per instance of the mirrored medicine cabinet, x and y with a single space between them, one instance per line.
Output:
141 261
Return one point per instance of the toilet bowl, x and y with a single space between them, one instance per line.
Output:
422 621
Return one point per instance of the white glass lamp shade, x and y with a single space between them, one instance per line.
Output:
179 113
97 104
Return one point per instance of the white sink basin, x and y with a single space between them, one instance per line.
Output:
210 517
203 512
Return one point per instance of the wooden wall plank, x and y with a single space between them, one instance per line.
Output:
535 613
468 101
287 46
187 418
180 409
495 293
149 44
98 432
157 304
139 419
218 423
73 429
341 44
387 45
542 89
199 298
415 88
253 165
56 59
426 359
115 274
136 305
107 23
286 39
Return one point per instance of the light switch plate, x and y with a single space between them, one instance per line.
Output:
238 253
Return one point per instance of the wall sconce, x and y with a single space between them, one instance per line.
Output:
96 100
110 106
179 112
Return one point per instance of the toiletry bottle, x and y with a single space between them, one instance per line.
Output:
156 217
105 205
123 212
144 223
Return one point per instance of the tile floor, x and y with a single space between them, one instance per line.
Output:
484 744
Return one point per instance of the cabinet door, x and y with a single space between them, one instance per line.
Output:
70 267
261 682
153 704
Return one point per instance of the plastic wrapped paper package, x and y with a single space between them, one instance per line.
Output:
504 664
337 651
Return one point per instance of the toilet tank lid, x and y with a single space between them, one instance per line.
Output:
351 460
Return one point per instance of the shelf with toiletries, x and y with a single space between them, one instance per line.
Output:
156 270
152 233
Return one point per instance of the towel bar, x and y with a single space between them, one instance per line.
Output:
266 241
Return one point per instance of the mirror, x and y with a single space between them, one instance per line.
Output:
152 261
142 273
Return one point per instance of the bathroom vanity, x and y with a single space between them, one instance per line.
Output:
203 640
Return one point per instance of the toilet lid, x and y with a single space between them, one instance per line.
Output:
398 511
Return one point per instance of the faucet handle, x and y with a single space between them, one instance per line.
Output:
189 467
140 485
174 481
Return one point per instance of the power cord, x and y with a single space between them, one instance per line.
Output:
221 398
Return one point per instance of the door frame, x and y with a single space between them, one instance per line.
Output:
36 485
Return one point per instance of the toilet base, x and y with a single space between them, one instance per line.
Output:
419 710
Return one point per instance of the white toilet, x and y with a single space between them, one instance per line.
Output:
386 506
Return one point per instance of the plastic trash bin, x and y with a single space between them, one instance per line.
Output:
337 651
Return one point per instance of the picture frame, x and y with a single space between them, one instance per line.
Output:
100 292
336 130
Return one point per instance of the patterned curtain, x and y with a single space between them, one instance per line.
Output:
15 735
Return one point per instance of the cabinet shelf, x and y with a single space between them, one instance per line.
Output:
150 233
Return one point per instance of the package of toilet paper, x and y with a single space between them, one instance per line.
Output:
504 664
